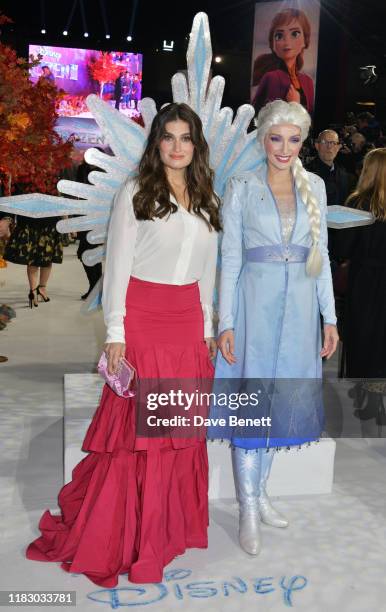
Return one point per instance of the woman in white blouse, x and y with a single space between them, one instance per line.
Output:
136 501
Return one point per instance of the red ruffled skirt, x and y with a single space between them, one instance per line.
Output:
135 503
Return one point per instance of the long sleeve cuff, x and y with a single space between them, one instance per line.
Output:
115 333
226 322
208 320
330 320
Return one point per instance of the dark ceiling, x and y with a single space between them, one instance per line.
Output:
231 21
153 21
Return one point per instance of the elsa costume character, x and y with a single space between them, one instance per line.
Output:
275 283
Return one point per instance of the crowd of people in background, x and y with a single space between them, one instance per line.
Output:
351 159
127 90
357 136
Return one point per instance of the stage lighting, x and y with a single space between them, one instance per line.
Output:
43 31
129 38
168 46
218 59
85 34
65 32
107 35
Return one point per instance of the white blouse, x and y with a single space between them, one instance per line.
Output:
178 249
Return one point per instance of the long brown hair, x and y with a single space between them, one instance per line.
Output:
371 188
270 61
153 186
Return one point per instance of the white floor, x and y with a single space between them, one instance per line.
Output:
332 557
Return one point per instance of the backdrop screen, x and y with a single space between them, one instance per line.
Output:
115 76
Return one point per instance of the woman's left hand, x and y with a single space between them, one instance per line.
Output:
212 347
331 340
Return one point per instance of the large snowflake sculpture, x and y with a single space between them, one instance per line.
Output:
232 150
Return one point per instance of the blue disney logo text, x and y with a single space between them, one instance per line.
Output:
152 593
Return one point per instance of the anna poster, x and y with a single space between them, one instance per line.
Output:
285 52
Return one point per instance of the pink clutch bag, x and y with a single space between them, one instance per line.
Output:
123 382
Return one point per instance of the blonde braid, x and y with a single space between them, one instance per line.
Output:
314 260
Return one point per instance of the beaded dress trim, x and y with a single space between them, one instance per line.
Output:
287 211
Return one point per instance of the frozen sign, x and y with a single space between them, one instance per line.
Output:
115 76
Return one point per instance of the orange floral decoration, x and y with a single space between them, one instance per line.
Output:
32 154
103 69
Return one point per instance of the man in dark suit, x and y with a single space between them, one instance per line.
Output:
339 183
118 91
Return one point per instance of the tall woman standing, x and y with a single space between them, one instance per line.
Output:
364 335
135 503
275 283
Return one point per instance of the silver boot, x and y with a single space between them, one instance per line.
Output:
246 472
268 514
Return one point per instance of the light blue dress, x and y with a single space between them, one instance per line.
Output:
274 308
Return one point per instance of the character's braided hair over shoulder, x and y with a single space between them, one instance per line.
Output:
314 260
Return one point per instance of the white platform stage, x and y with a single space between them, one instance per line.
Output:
331 557
305 471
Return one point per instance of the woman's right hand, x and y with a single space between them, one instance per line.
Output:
114 351
226 344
